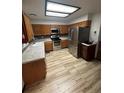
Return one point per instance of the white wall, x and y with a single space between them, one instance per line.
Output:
95 26
47 22
82 18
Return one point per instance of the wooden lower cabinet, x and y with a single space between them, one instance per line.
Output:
33 71
48 46
88 52
64 43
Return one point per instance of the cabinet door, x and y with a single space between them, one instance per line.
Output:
36 29
84 23
55 26
64 43
64 29
45 29
34 71
28 27
24 34
48 46
40 29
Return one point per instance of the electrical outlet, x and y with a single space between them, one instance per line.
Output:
94 32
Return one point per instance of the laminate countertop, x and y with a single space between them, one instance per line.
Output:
64 38
33 52
61 37
49 39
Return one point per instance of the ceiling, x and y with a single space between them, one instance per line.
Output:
38 7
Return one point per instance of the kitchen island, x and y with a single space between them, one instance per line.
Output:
33 63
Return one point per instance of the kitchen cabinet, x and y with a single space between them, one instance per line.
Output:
64 43
54 26
86 23
63 29
40 29
98 56
48 46
33 71
33 63
27 29
36 29
88 51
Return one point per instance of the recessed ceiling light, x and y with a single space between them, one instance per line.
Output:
56 14
59 9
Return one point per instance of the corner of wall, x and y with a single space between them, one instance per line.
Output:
82 18
95 26
47 22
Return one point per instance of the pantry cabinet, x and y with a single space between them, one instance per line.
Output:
27 30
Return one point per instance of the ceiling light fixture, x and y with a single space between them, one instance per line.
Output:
32 14
56 14
59 10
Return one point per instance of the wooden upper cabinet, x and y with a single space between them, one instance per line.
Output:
24 34
36 29
40 29
63 29
86 23
45 29
27 27
55 26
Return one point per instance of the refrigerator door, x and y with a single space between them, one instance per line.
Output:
70 36
83 34
73 41
77 35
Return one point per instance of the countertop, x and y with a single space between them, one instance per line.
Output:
63 37
33 52
24 46
36 50
49 39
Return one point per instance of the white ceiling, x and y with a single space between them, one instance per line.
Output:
38 7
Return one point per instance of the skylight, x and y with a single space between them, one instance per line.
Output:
59 10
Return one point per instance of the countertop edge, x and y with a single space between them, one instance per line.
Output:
33 61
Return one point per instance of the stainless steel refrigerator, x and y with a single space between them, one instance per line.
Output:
77 35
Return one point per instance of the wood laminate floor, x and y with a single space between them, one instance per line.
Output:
67 74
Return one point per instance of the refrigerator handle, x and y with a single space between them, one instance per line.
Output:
71 34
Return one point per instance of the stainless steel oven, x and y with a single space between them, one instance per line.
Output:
57 43
55 36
